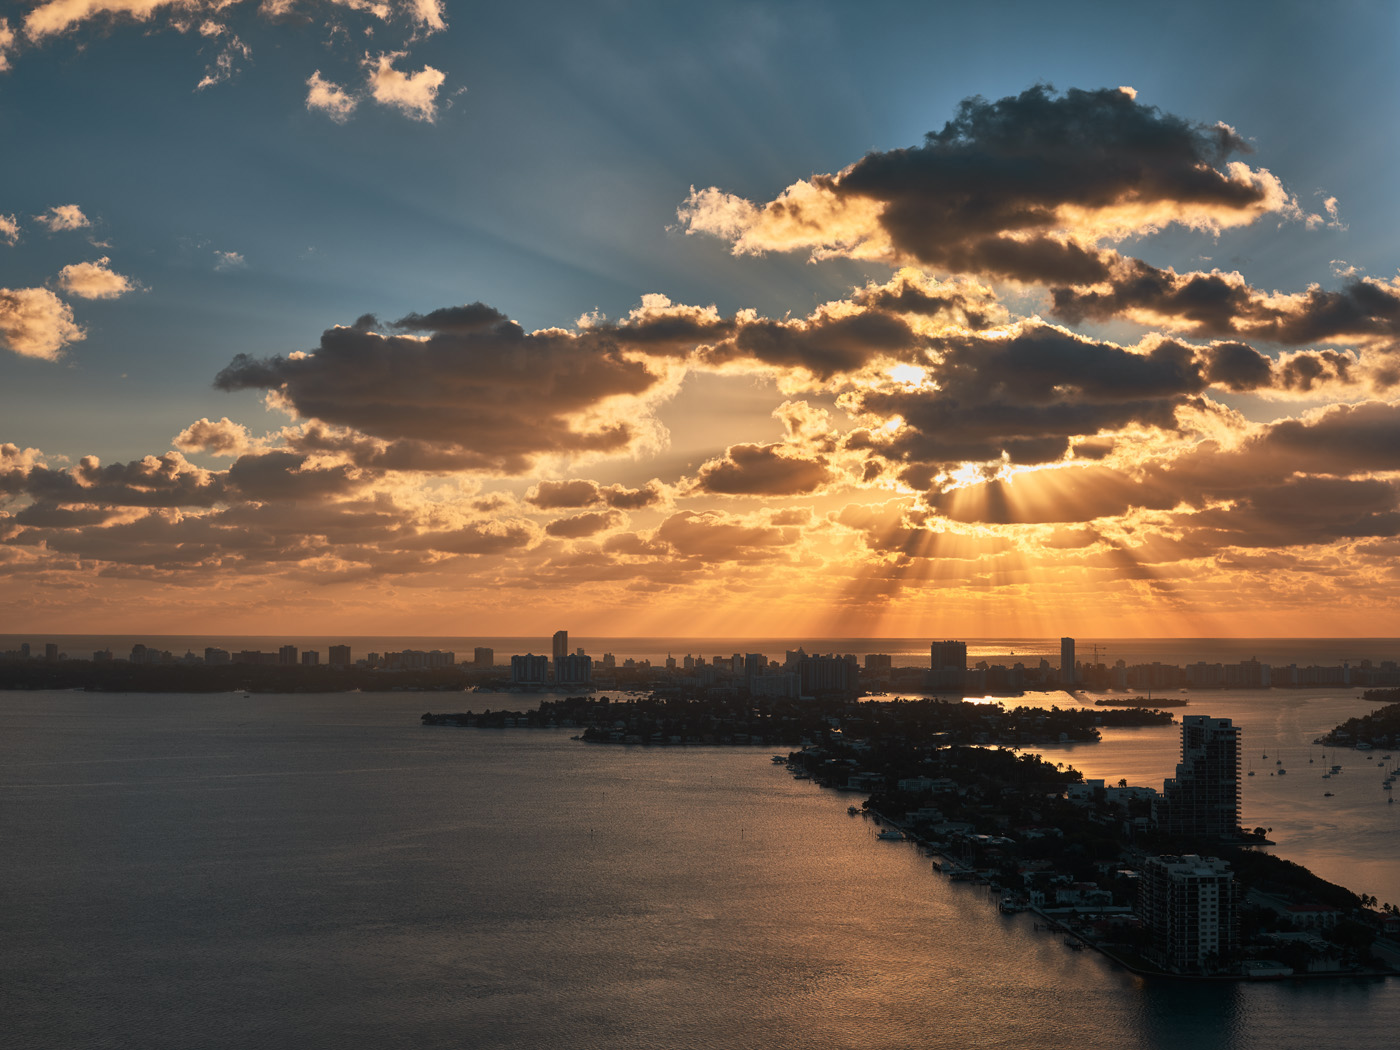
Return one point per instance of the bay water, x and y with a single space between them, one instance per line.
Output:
221 871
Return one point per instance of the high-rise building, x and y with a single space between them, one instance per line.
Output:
827 674
339 656
484 658
529 669
574 670
948 665
1203 799
287 656
1067 675
1188 908
561 645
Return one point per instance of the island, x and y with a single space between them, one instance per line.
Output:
1163 882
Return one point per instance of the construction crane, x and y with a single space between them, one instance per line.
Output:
1096 649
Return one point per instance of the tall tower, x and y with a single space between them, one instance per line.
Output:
561 650
948 665
1067 675
1203 799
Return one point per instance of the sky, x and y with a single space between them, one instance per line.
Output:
818 319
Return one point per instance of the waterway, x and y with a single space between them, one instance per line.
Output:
321 871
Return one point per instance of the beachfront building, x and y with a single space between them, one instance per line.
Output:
948 666
529 670
1203 799
1188 907
575 670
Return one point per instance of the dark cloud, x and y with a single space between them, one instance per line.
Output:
1021 187
1237 366
1224 304
823 345
490 394
553 495
559 495
478 537
1027 398
763 470
587 524
474 317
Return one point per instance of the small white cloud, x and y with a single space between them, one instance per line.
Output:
1334 220
413 94
63 217
428 14
94 280
329 98
1342 268
225 65
224 438
9 229
225 261
7 43
1131 92
36 323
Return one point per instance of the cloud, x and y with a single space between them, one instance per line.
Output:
413 94
718 537
1224 304
1024 187
428 14
1296 482
7 44
212 21
224 65
763 470
490 396
224 438
579 526
94 280
226 261
329 98
9 227
36 323
63 217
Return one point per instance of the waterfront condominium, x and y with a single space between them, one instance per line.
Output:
1188 908
948 666
1203 799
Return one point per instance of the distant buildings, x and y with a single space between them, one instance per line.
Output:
827 674
1203 799
529 670
339 656
484 658
1189 906
1067 676
575 670
948 666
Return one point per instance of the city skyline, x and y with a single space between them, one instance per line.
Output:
741 321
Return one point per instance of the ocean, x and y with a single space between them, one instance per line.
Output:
220 871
